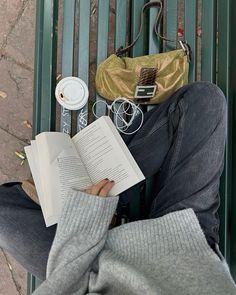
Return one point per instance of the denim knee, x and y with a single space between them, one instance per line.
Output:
211 95
206 100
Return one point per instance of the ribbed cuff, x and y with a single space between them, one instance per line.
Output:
175 233
86 214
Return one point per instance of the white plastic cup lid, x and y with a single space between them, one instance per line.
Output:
72 93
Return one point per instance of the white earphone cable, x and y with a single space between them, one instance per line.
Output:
125 107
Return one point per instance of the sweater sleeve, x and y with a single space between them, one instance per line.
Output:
81 235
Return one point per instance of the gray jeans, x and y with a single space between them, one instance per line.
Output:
181 144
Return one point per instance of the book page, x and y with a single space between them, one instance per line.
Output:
33 163
105 155
37 177
72 173
61 169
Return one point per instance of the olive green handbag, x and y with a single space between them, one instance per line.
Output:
148 79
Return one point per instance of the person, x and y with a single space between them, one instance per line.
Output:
174 250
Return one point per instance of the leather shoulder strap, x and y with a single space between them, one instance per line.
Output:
121 51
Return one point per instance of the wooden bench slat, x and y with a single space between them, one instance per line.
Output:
32 283
49 10
68 37
190 22
83 46
121 24
38 69
139 48
67 56
232 159
171 23
208 55
83 56
154 42
223 80
102 44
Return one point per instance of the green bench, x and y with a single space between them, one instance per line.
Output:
91 30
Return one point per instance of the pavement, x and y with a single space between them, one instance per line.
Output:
17 31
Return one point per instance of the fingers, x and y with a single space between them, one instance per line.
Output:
106 189
101 189
95 190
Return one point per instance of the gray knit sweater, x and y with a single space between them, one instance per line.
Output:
167 255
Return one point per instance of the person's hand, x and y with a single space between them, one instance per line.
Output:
100 189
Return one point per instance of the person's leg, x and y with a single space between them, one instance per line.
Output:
22 229
182 144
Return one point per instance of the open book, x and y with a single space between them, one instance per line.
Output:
59 163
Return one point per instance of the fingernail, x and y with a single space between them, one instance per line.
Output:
106 179
112 181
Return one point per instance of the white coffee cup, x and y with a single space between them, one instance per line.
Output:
72 93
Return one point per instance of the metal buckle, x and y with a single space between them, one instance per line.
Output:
186 48
144 92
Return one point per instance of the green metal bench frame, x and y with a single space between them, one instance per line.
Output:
218 65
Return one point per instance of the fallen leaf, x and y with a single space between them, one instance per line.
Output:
27 124
9 265
3 94
199 31
58 77
180 32
20 154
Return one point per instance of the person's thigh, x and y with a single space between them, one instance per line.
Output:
22 230
182 143
191 171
